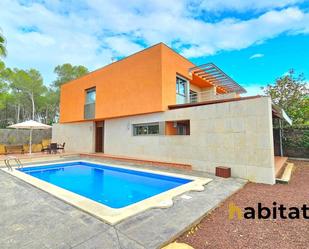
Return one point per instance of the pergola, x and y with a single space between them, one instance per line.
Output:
214 75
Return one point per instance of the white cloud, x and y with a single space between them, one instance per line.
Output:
255 56
122 46
92 32
236 34
245 5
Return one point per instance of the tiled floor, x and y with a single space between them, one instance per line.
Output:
31 218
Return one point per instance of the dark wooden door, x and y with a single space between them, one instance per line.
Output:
99 137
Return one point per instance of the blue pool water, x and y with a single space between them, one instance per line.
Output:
111 186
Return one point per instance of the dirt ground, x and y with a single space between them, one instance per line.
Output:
217 231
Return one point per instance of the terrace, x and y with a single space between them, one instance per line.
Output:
44 221
207 83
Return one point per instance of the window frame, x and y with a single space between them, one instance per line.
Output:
185 86
146 125
90 90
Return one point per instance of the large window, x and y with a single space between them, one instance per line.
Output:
90 96
181 86
146 129
89 107
181 90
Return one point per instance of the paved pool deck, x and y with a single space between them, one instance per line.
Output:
31 218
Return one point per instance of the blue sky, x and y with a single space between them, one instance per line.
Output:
253 41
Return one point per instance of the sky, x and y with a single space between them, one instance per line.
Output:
253 41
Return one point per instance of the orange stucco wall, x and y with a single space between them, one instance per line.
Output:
172 64
127 87
144 82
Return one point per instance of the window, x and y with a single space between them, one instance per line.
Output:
146 129
90 96
193 96
181 86
177 127
89 107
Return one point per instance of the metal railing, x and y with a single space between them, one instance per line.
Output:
8 165
208 96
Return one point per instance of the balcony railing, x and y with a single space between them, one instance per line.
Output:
89 111
208 96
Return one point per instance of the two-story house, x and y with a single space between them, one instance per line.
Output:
157 105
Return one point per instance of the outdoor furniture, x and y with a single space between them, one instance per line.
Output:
45 145
45 149
53 148
11 149
223 171
61 147
31 125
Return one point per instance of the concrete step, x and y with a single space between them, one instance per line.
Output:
287 173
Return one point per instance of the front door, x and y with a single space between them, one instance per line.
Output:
99 136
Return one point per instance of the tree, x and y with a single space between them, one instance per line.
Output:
29 84
23 94
290 92
67 72
49 106
2 46
3 84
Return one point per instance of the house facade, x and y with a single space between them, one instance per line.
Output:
157 105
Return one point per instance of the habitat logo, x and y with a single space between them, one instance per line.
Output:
264 212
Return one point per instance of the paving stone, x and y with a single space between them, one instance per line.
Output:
127 243
31 218
104 240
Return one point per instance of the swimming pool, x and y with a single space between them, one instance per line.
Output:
109 192
111 186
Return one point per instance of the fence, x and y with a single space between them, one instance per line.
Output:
18 136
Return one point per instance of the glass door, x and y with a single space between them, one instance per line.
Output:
181 90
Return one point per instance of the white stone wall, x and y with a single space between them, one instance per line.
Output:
79 137
234 134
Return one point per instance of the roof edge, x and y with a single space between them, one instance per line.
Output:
211 102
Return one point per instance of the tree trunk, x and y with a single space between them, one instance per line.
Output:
33 106
18 113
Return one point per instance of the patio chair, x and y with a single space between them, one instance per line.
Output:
45 145
46 149
53 148
61 147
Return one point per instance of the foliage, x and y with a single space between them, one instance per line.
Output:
11 139
2 46
24 96
290 92
67 72
296 137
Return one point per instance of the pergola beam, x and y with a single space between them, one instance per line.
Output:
217 77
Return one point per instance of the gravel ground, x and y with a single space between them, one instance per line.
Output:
217 231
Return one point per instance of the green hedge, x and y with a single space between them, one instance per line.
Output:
296 141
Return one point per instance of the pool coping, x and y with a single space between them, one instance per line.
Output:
107 214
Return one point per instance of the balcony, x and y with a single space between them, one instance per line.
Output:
209 96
